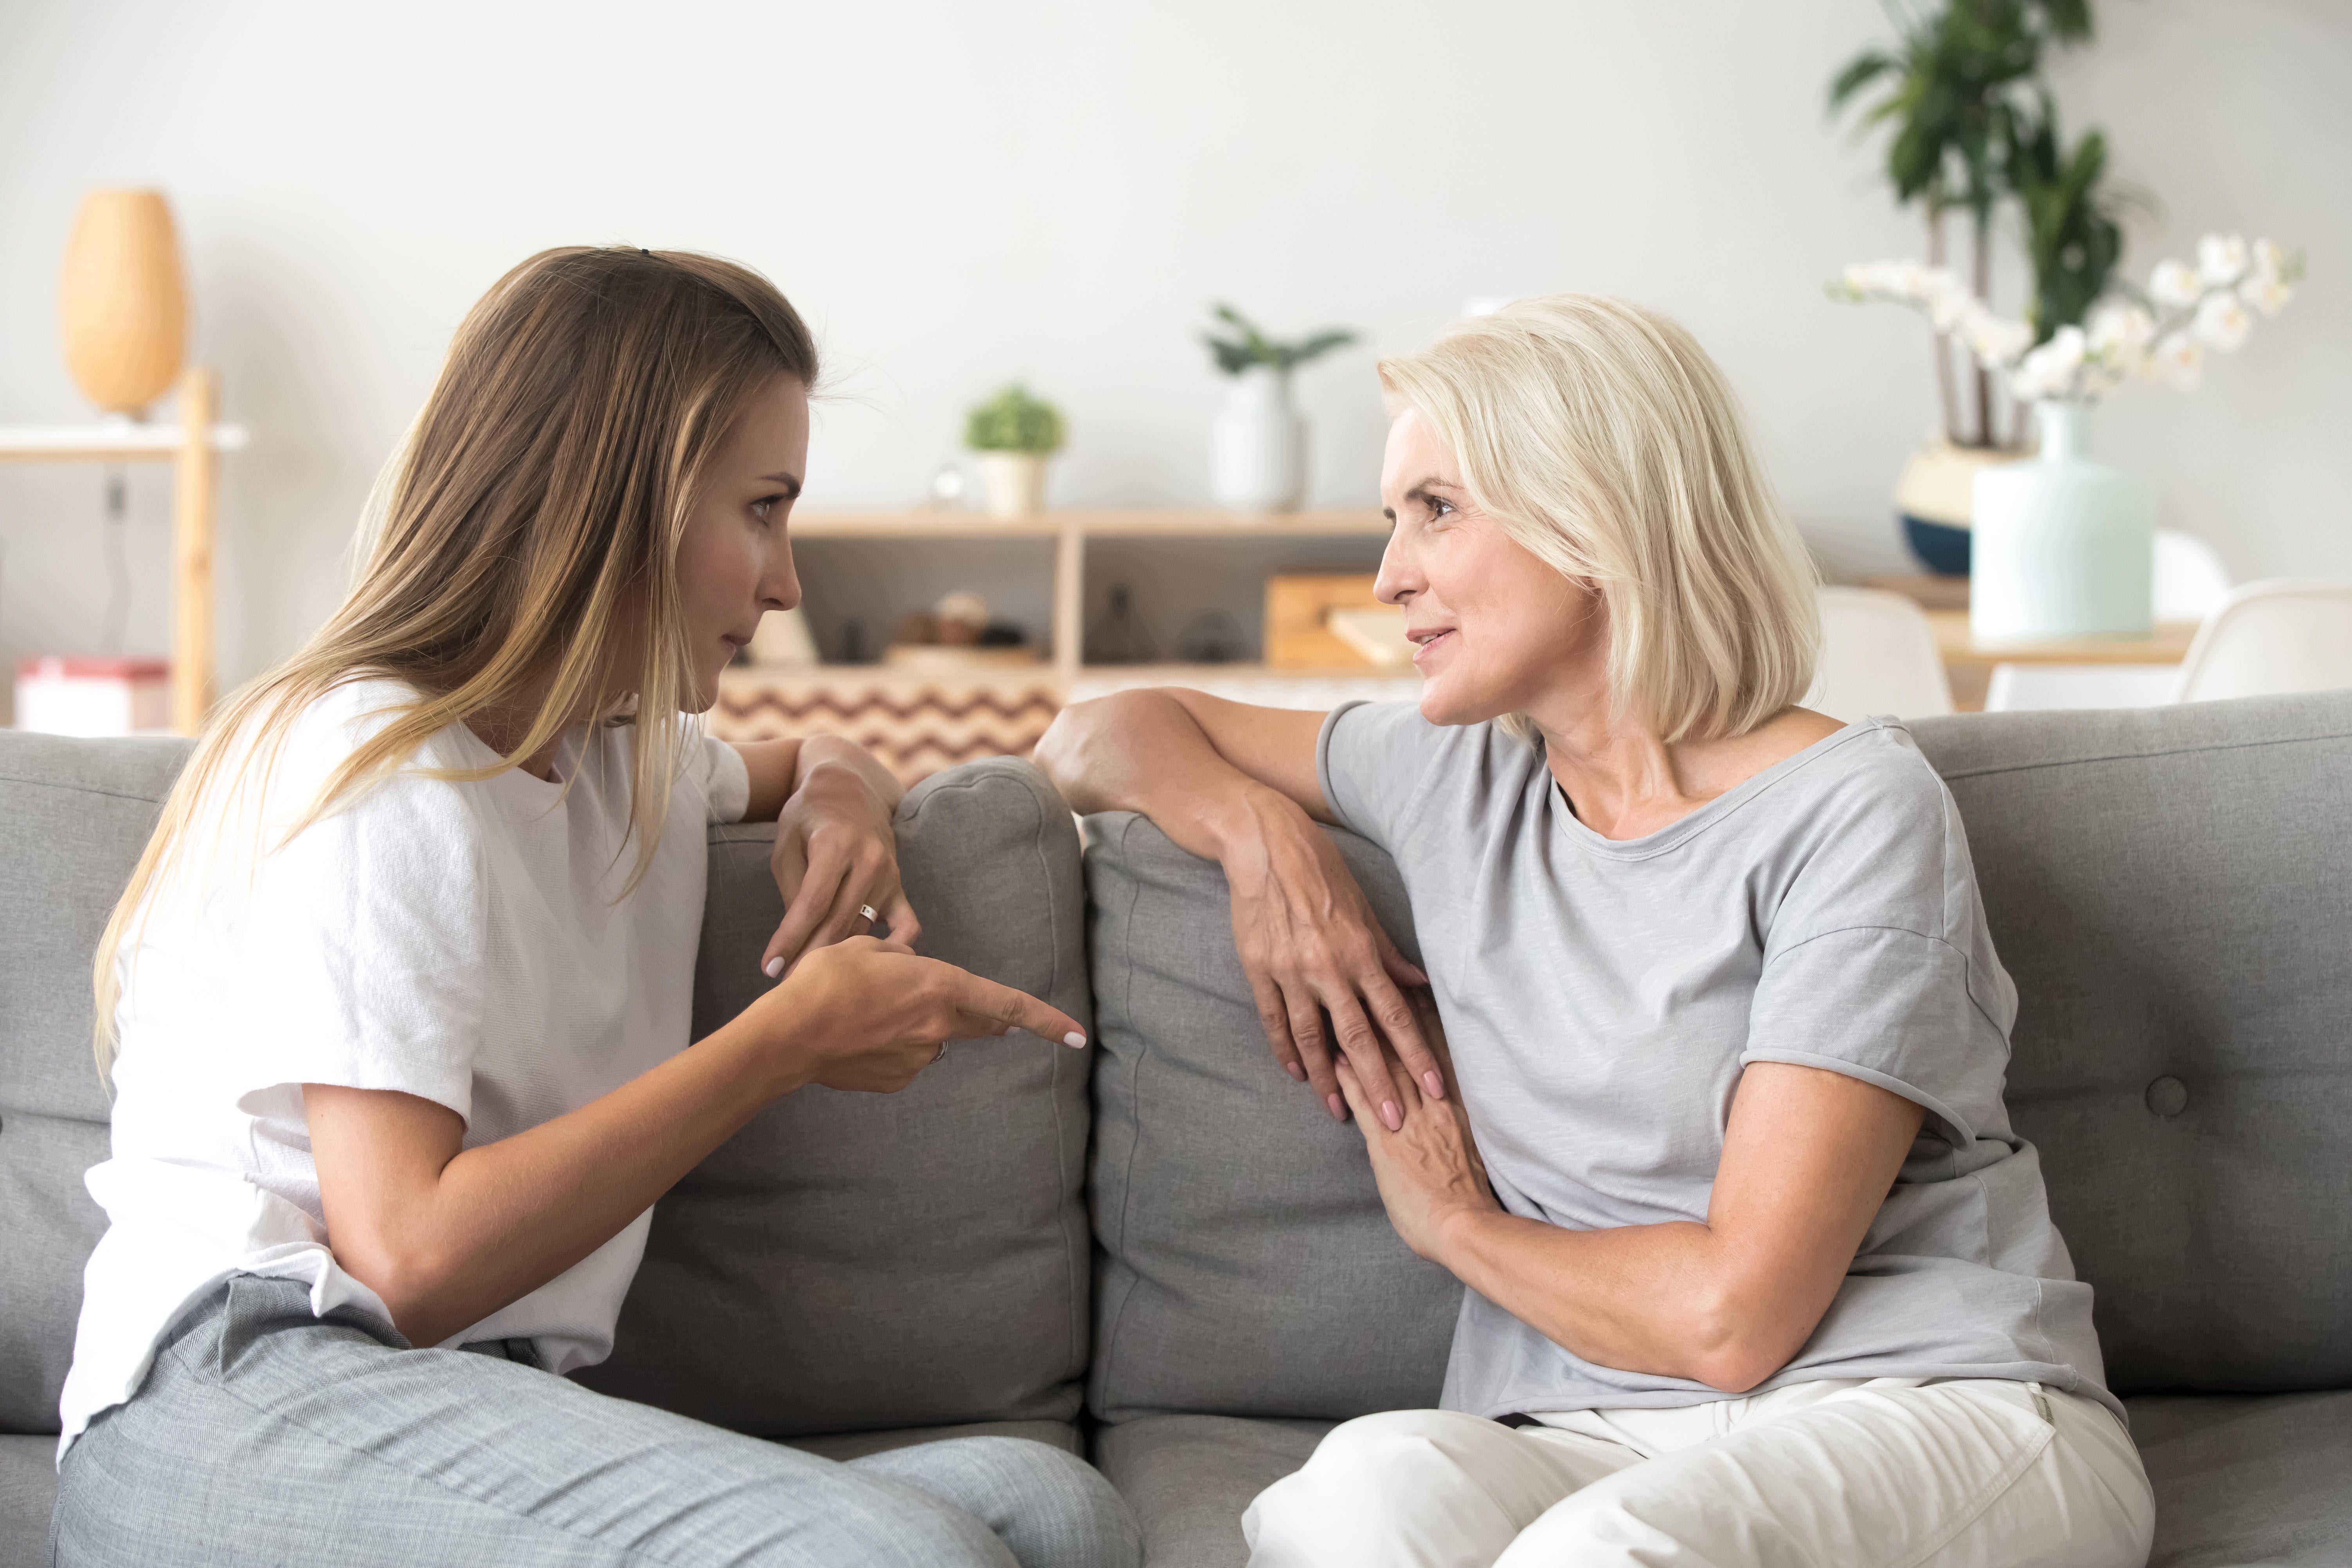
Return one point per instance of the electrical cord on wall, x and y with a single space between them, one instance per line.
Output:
117 560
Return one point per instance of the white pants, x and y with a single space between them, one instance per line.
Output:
1877 1473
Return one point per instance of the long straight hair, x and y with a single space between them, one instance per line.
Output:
530 515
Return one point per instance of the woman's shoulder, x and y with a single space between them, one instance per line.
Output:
1382 763
1871 835
295 755
1869 773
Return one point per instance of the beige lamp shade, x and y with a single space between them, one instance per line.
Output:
123 307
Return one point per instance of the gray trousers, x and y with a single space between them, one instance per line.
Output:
266 1436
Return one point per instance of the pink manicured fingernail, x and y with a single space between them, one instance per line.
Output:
1392 1116
1434 1084
1074 1040
1295 1071
775 966
1338 1110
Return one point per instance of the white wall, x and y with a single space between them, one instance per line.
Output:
1054 188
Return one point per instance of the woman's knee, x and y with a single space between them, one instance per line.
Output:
1050 1508
1370 1480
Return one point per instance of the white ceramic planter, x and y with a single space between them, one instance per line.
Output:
1013 484
1258 448
2063 545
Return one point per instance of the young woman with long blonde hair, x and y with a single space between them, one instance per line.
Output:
396 1003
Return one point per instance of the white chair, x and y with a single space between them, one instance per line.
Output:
2189 579
1878 655
2273 636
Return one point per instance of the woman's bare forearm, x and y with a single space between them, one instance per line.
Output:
1658 1299
779 769
1145 751
457 1240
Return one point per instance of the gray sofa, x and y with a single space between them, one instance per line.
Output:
1162 1254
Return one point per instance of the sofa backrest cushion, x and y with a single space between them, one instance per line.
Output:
2171 890
1247 1267
74 815
856 1261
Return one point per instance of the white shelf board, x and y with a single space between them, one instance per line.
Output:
123 440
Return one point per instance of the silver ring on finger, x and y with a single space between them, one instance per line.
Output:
942 1055
869 912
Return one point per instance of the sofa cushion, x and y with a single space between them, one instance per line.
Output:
1190 1477
2247 1481
28 1492
2171 889
1247 1267
74 815
851 1262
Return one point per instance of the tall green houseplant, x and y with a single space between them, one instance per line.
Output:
1971 126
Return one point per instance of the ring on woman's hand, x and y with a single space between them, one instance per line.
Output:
870 913
942 1056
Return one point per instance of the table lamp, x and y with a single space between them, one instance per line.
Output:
121 302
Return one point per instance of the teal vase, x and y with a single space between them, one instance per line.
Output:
2065 546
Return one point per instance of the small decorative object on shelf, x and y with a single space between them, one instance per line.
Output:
121 306
1120 637
957 633
782 641
94 696
1212 637
2064 545
1258 446
1332 621
1014 434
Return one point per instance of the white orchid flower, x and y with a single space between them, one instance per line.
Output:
1996 341
2222 321
2266 294
2174 284
2120 329
2221 259
2175 362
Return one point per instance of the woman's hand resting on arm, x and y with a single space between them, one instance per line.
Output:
1808 1156
835 849
1236 784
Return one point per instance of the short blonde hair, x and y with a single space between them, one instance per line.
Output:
1600 438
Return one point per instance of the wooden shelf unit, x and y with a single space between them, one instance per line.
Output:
1069 529
193 444
921 719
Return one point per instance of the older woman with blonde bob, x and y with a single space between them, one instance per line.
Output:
1758 1270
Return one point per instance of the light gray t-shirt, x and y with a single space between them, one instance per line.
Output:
1602 997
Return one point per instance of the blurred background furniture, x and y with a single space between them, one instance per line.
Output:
949 711
1878 655
2189 583
2269 637
191 446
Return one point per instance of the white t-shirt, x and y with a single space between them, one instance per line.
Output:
463 943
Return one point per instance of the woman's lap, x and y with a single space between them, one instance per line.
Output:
1983 1475
264 1434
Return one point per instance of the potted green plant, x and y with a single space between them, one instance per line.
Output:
1257 453
1968 123
1013 433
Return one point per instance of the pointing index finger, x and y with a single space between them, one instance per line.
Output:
1018 1009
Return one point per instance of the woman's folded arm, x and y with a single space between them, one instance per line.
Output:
1808 1156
